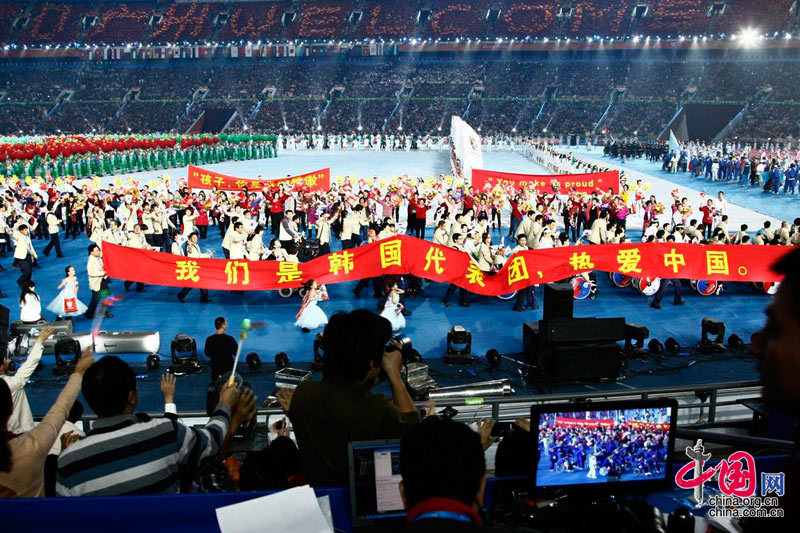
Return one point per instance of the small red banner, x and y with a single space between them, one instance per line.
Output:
591 182
201 178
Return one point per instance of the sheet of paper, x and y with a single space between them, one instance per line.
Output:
325 507
295 509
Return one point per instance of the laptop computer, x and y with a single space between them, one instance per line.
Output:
375 483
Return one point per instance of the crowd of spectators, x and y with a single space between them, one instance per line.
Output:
61 22
501 94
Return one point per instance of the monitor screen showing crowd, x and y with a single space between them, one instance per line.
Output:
603 445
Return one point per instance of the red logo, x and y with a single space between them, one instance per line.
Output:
737 473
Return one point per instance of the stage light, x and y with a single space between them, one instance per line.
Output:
67 351
655 346
281 360
711 326
319 127
153 361
672 345
636 133
637 333
636 39
749 36
514 129
545 40
253 360
459 345
493 357
787 36
359 127
399 128
735 342
414 41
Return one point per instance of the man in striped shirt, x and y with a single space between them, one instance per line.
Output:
121 455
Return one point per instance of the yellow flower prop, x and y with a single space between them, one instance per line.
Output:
96 181
29 181
59 182
153 184
165 178
340 179
117 181
382 183
130 180
646 186
2 180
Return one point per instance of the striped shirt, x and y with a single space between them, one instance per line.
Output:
123 456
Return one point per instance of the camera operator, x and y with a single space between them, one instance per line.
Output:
329 414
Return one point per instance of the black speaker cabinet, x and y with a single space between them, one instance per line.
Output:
580 330
558 300
530 341
4 316
590 362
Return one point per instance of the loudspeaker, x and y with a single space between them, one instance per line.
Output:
592 362
558 300
530 341
581 330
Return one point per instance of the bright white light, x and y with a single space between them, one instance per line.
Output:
285 127
635 38
749 36
319 127
360 128
544 130
514 130
399 128
787 36
636 133
414 41
545 40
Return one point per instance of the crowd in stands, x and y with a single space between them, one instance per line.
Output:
524 94
61 22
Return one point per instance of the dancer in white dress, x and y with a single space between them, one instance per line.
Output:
66 303
393 309
310 315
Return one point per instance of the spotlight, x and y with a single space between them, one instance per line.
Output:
67 352
253 360
672 345
655 346
735 342
281 360
493 357
183 351
711 326
459 346
153 361
635 332
183 348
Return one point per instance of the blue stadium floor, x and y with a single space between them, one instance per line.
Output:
492 322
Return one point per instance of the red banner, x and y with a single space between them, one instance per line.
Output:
580 182
564 422
404 254
201 178
633 424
